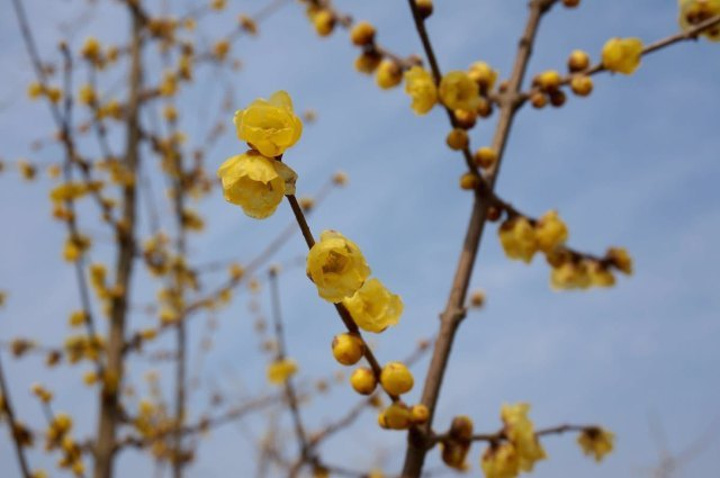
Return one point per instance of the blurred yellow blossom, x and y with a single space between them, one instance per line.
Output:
420 86
518 239
596 442
521 433
280 370
622 55
693 12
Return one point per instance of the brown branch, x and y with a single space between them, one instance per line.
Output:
288 387
110 409
9 412
454 311
342 311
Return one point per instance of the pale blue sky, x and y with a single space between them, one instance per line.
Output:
634 165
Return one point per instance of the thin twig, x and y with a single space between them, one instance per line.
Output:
9 412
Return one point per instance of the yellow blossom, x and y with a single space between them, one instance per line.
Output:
693 12
622 55
270 126
521 433
420 86
373 307
459 91
596 442
337 267
600 276
501 461
518 239
550 231
255 183
571 275
280 370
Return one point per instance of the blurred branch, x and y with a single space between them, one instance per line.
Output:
7 409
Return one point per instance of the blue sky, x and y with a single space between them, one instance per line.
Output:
634 165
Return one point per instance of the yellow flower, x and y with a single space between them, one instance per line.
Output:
256 183
520 432
500 461
600 276
270 126
518 239
420 86
622 55
550 231
693 12
337 267
596 442
280 371
459 92
571 275
373 307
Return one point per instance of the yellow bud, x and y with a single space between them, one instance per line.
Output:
362 34
578 61
457 139
368 62
419 414
581 85
389 74
485 157
469 181
396 417
396 379
549 81
348 349
425 7
324 22
363 381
